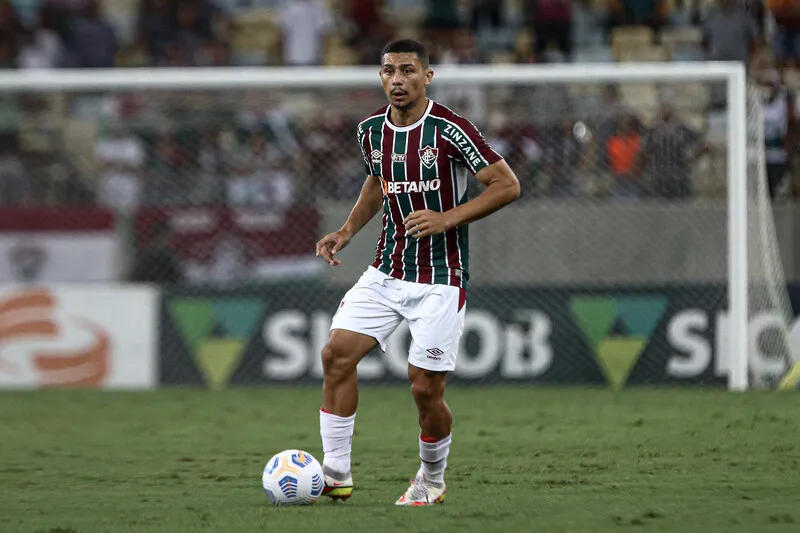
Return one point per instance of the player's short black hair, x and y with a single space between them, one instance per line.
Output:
407 46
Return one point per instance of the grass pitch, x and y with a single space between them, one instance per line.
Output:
543 460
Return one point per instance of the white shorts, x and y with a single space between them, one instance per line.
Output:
377 303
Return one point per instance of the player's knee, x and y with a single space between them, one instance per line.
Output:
335 363
425 391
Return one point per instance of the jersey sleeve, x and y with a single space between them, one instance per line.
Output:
473 152
361 135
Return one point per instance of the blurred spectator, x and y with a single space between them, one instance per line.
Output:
486 13
11 31
10 26
94 41
369 32
551 21
624 159
670 148
462 49
518 144
182 32
67 185
65 14
487 21
729 33
170 56
368 47
562 158
343 176
14 184
258 181
170 176
189 38
442 15
214 54
549 103
120 158
757 10
364 14
651 13
210 22
259 112
320 147
305 29
780 123
442 18
466 99
157 261
607 121
119 190
524 48
258 155
207 189
154 28
7 53
786 35
121 149
41 46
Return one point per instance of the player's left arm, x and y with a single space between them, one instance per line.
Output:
502 188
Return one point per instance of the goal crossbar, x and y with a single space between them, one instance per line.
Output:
333 77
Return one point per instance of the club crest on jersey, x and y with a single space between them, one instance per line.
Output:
428 156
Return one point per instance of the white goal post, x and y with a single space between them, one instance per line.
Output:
732 75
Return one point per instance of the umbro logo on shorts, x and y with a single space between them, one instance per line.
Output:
435 354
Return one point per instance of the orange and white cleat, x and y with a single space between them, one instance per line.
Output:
338 486
422 492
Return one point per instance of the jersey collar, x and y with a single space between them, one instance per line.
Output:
410 126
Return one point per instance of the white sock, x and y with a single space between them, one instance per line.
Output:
434 458
337 439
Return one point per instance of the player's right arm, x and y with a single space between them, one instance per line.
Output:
367 206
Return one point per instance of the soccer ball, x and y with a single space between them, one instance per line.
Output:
292 477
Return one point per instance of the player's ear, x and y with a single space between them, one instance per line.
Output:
428 76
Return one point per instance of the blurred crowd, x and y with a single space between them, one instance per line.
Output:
277 150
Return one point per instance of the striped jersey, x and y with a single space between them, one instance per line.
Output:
423 166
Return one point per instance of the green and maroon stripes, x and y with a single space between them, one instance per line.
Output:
447 197
396 238
431 248
386 241
408 254
408 185
416 262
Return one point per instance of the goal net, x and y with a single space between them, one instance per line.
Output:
643 250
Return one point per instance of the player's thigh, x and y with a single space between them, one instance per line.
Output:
436 322
367 310
346 348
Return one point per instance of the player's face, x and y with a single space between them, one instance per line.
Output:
404 79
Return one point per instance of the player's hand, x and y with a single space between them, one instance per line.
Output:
425 223
332 243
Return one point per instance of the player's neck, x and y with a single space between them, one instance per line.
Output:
408 116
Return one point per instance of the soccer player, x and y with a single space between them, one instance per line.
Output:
416 152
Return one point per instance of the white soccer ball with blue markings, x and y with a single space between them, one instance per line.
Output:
293 477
